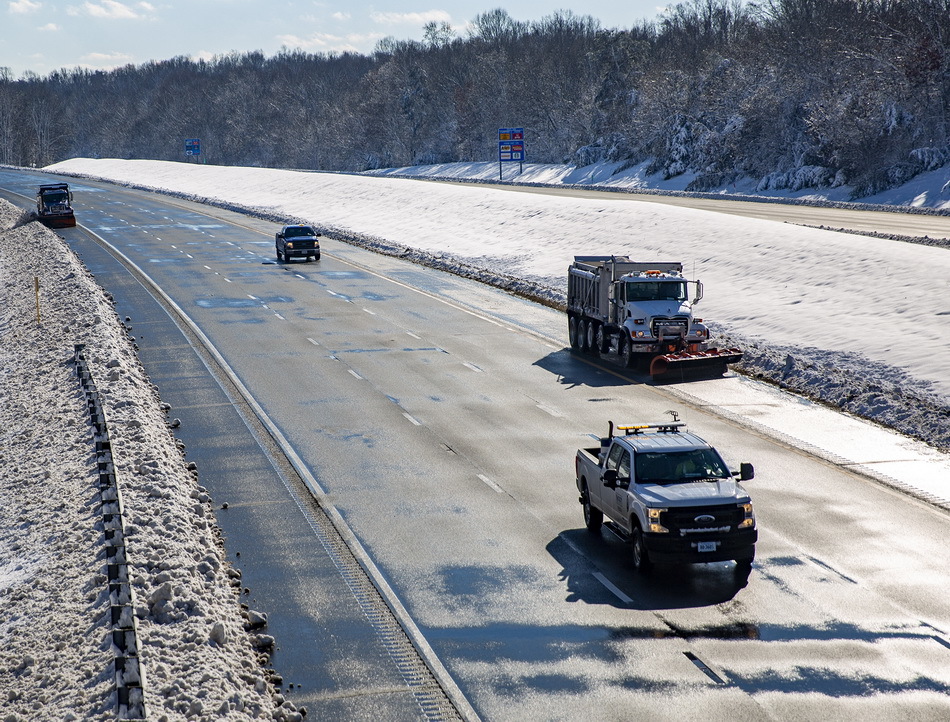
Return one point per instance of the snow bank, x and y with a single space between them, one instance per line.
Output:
56 656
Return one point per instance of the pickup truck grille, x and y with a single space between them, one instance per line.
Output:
695 520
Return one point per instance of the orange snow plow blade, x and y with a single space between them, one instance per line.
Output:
58 222
713 359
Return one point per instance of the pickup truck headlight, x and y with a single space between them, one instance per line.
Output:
289 245
749 520
653 519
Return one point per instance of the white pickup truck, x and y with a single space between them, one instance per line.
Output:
670 494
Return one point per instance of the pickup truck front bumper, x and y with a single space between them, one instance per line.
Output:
666 549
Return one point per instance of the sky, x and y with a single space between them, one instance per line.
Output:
42 36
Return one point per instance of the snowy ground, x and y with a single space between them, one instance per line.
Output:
861 323
929 190
56 647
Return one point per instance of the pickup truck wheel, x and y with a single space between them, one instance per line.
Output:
638 552
593 518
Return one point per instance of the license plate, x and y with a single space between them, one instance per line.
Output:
706 546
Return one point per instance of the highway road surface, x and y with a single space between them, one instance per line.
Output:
439 418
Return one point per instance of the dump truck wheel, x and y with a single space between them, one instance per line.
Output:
572 332
590 340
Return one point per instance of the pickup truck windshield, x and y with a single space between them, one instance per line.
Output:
656 290
677 467
296 231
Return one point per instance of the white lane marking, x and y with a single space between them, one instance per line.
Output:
208 267
315 343
616 592
229 280
279 316
473 367
414 421
354 373
547 410
491 484
266 306
189 255
253 298
299 276
371 313
410 333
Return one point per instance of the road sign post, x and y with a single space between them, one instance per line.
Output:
510 148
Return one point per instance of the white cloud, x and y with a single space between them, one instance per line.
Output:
326 43
340 16
48 28
112 10
429 16
107 60
23 7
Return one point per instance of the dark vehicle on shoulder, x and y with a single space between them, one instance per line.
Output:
297 241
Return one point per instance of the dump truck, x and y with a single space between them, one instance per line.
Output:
53 206
642 312
668 493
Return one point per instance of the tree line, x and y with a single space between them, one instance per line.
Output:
792 93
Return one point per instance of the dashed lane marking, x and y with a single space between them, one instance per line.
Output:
491 484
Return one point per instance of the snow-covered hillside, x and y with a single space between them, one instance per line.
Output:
859 322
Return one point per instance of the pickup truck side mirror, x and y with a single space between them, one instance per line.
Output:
746 472
609 478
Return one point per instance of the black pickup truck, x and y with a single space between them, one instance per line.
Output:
299 241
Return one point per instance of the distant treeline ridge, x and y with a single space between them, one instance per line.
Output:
792 93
